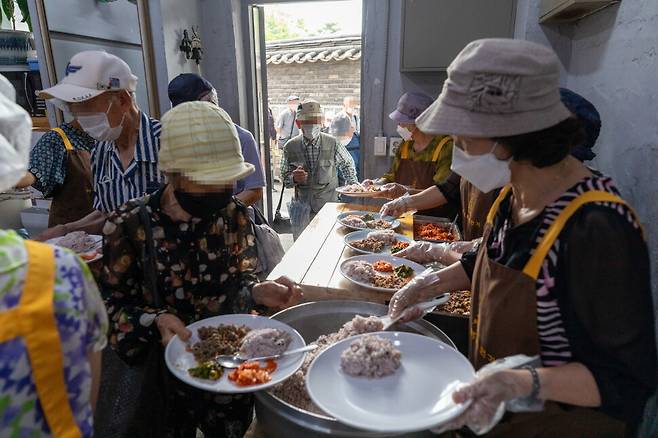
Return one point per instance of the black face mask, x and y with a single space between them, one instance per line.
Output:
202 205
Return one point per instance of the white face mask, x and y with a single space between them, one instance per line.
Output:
486 172
311 132
404 133
97 125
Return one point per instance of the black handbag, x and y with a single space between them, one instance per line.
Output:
133 399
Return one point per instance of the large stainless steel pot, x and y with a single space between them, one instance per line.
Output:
281 420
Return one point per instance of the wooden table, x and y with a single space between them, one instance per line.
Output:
314 259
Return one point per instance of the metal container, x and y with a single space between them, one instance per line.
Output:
282 420
440 221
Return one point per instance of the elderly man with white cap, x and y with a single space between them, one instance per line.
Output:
312 160
53 323
204 254
285 126
99 91
562 322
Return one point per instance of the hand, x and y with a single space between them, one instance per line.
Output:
368 183
392 191
299 175
395 207
424 252
280 293
421 288
51 233
169 325
488 395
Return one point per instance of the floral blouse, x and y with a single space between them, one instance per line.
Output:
204 268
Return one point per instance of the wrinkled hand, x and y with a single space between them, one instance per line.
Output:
170 325
424 252
392 191
421 288
487 395
51 233
280 293
395 207
299 175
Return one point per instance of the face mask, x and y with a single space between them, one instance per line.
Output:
486 172
97 125
404 133
311 131
202 205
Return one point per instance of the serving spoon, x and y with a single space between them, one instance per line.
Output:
426 307
234 360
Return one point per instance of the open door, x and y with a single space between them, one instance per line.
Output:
260 116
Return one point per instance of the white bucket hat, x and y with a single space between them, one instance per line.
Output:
89 74
200 141
498 88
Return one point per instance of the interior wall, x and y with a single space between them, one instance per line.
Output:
611 59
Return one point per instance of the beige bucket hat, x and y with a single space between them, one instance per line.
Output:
199 140
498 88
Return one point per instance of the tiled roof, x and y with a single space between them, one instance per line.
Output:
322 49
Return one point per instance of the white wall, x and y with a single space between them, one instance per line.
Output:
611 59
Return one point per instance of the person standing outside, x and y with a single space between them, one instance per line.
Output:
343 129
312 160
99 90
286 128
350 104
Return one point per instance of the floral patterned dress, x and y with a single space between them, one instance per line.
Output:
204 268
82 325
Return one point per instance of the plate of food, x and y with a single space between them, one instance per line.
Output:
362 379
89 247
377 242
383 273
367 220
247 335
360 191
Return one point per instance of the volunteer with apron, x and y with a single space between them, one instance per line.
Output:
60 168
563 272
52 319
422 160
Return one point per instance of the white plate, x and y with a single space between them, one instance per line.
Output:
371 258
394 222
417 397
179 360
360 235
342 190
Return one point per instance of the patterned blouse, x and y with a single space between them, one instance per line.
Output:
48 157
204 268
82 324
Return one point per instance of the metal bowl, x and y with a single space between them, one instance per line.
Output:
311 320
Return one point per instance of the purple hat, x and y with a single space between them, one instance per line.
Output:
410 106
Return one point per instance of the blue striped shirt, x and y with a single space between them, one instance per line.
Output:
113 186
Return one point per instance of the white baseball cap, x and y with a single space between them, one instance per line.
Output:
89 74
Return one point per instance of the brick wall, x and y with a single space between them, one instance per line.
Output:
326 82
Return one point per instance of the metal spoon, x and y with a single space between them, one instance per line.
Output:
426 307
234 361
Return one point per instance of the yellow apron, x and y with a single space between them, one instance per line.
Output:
34 320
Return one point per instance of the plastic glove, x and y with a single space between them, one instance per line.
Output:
392 191
424 252
396 207
420 288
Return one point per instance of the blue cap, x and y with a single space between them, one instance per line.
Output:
590 119
410 106
188 87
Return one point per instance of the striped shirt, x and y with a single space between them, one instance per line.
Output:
114 186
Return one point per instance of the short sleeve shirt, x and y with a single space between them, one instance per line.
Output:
286 123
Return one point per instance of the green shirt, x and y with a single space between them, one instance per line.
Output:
442 163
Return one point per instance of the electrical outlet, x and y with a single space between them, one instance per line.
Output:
380 146
393 145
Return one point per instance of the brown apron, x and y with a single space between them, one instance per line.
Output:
420 175
475 206
504 323
73 200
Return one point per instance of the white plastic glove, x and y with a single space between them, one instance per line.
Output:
421 288
424 252
396 207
